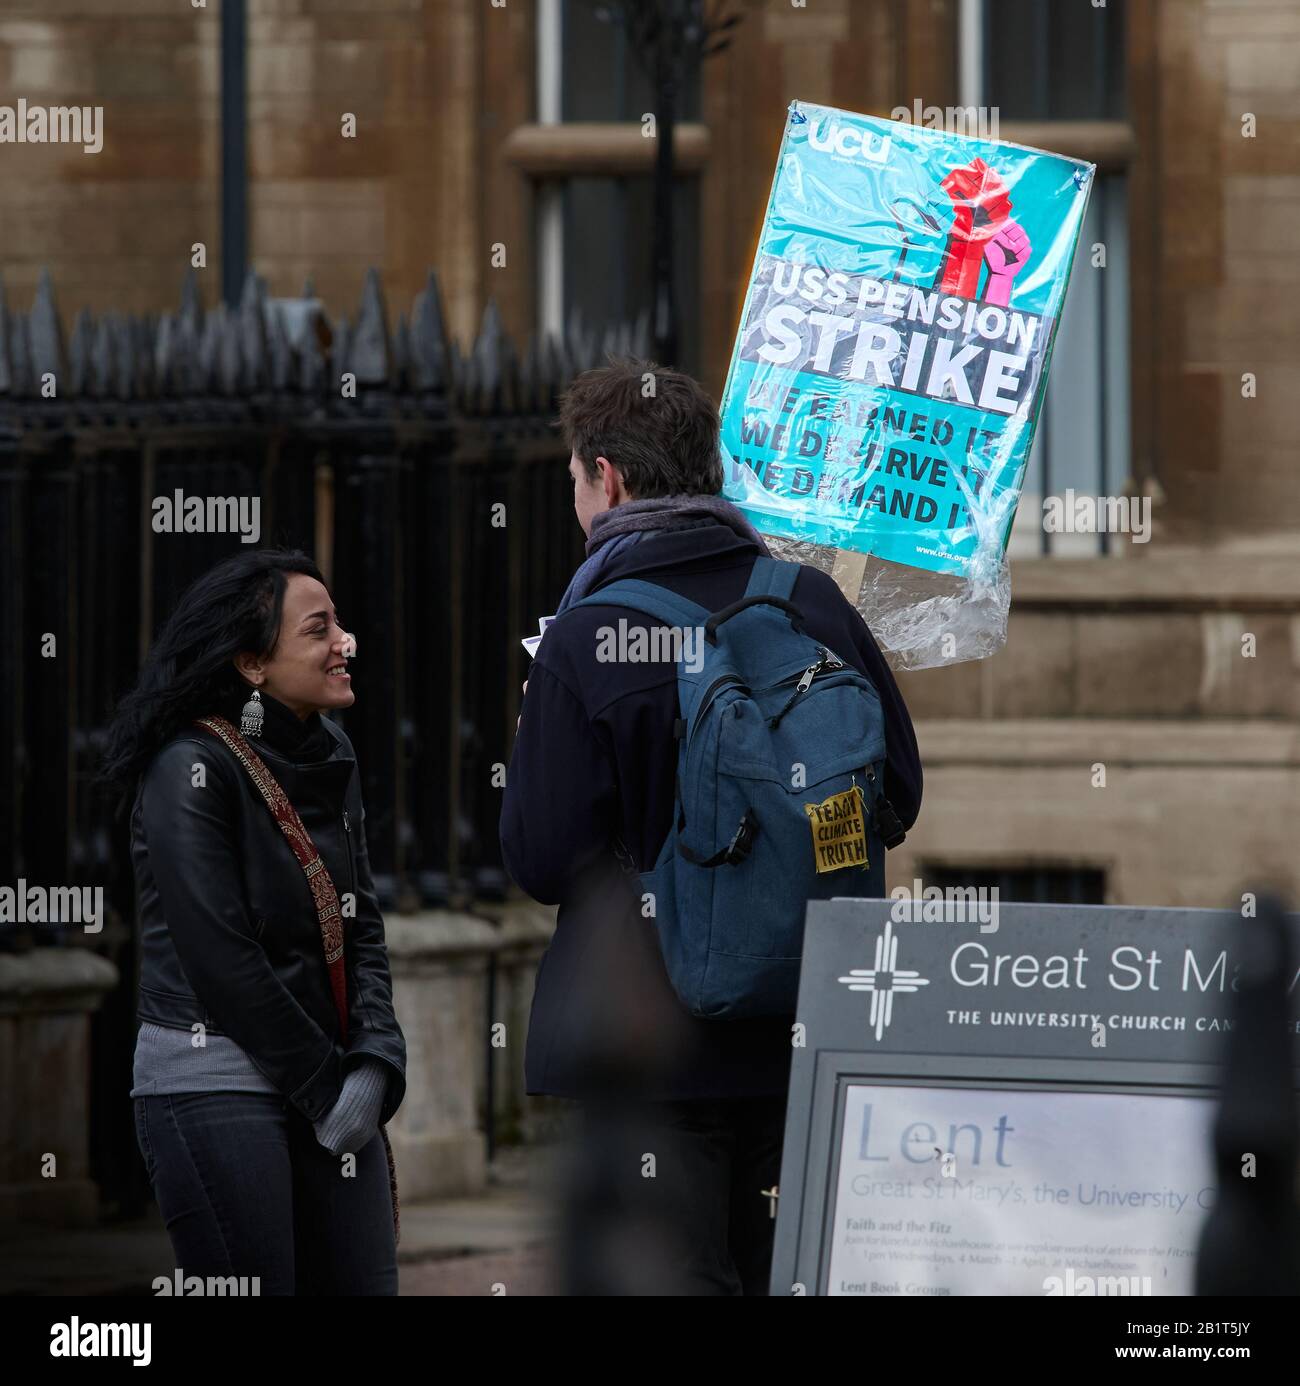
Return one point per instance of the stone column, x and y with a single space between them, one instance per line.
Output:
439 965
46 999
525 928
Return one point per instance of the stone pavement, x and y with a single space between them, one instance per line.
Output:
496 1243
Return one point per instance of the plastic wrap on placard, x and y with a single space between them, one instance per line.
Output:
890 363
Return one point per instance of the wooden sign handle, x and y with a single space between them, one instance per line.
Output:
847 573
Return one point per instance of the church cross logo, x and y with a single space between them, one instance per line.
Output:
884 980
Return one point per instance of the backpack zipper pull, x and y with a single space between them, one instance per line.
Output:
803 686
827 661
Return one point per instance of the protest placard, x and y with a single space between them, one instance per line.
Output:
892 356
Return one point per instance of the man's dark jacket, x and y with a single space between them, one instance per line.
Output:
595 759
229 935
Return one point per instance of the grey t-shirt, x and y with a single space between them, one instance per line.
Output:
167 1061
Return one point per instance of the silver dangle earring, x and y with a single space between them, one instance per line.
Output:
250 719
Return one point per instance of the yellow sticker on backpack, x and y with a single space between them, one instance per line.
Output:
839 830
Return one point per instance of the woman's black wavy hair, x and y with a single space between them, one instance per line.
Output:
189 671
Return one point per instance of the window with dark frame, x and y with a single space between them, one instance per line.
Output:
1028 885
1066 61
606 221
1057 60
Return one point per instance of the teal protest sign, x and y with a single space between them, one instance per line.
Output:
895 339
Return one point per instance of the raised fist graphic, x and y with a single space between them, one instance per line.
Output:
1006 254
982 208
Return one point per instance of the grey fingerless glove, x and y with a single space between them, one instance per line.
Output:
354 1118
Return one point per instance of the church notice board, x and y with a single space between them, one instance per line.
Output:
1020 1104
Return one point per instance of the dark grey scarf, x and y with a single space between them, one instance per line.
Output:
617 529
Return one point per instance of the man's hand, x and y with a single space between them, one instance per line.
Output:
521 715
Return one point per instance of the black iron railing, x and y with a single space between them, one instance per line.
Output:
381 451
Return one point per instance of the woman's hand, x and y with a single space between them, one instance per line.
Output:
354 1118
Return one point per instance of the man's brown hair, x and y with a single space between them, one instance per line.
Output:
657 426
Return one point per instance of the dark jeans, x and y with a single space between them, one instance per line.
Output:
245 1189
667 1197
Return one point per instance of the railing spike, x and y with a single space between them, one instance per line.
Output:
401 353
370 361
489 353
191 311
278 350
230 363
20 355
530 376
252 334
118 387
46 333
185 371
341 356
166 351
429 344
314 356
124 357
209 346
143 331
79 347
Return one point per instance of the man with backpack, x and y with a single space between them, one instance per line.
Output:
708 739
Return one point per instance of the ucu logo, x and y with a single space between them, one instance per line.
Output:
844 139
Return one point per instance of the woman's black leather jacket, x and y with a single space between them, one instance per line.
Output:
229 933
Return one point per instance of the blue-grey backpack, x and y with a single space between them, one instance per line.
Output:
781 750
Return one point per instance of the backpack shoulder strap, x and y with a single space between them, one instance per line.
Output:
651 600
772 577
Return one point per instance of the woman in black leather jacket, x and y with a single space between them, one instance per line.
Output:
259 1122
